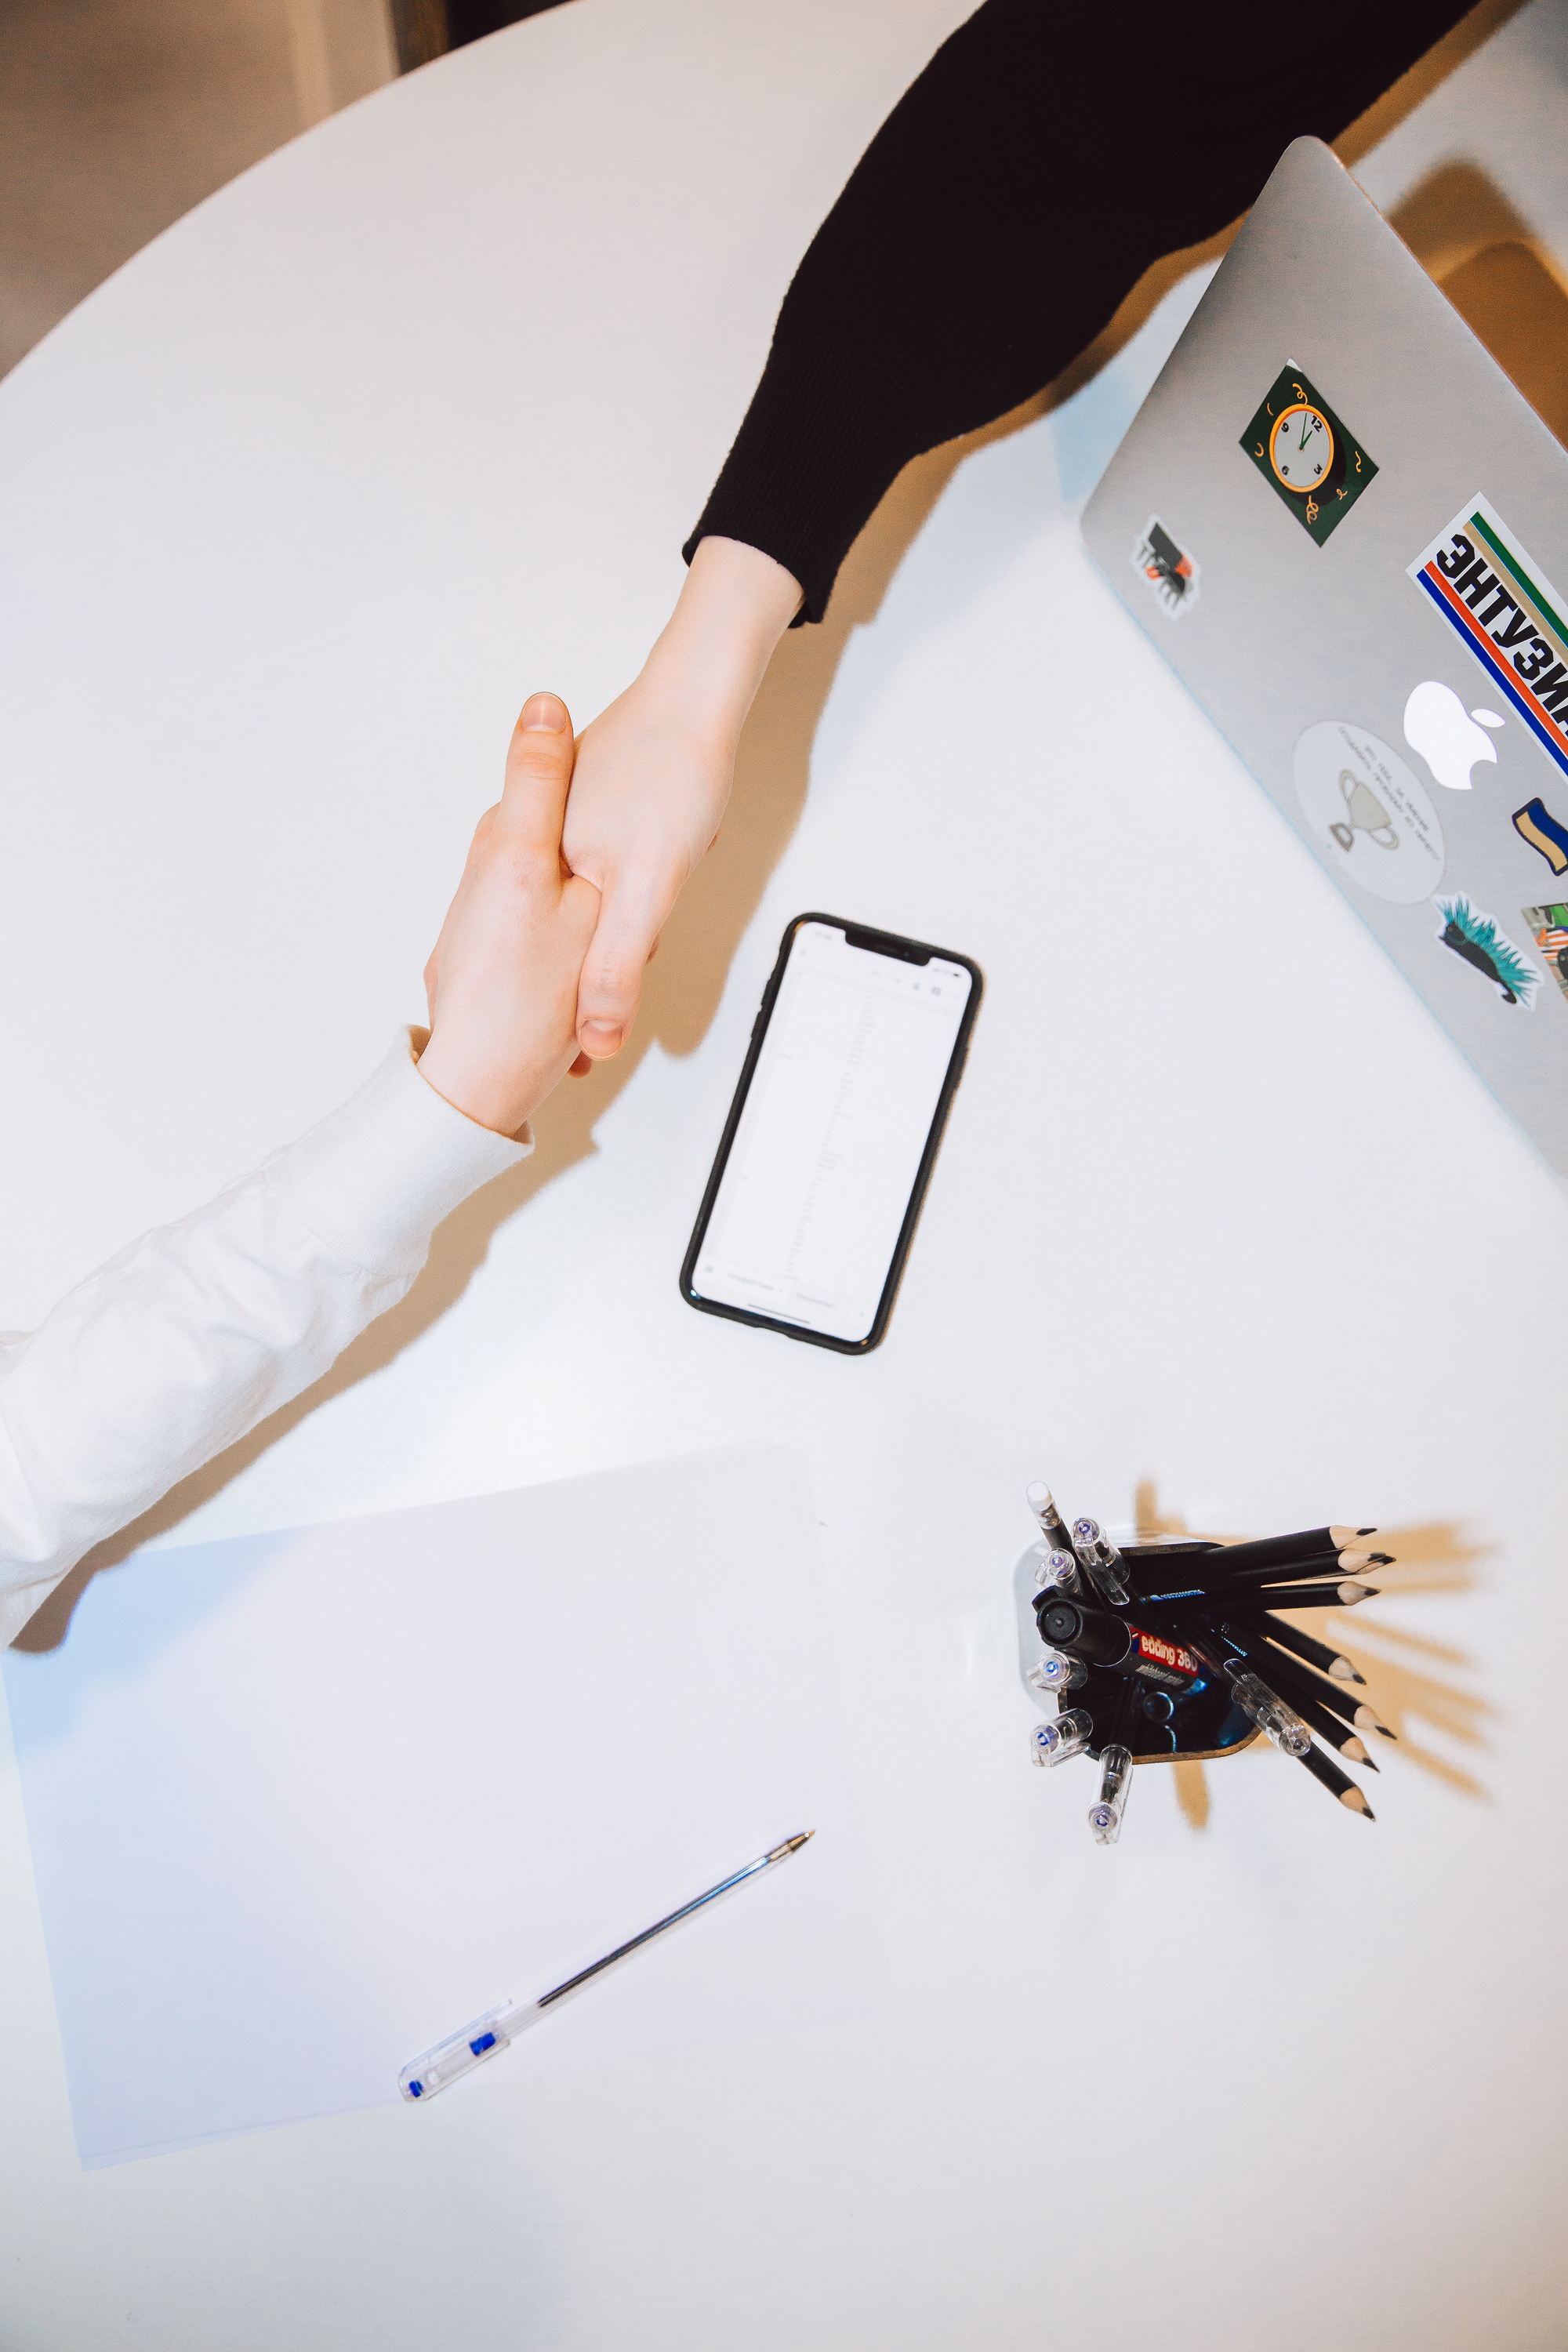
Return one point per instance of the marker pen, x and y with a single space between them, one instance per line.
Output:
1117 1645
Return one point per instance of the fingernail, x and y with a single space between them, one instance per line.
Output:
602 1036
545 710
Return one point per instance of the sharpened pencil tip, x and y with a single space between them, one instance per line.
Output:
1379 1560
1385 1731
1343 1672
1371 1764
1366 1531
1357 1803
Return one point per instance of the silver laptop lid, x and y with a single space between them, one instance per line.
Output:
1341 524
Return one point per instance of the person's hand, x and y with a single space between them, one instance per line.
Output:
654 771
502 981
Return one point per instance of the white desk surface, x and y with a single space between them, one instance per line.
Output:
409 421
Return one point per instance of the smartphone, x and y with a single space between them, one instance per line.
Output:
811 1207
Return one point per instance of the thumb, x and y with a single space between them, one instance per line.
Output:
610 988
538 774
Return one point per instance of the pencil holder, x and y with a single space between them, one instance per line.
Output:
1165 1652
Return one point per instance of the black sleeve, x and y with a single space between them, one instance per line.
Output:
1047 155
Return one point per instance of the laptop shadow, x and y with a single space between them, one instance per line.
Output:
1470 239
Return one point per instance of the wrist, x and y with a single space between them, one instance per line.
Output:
470 1086
734 605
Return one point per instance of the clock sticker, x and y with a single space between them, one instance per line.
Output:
1307 454
1301 448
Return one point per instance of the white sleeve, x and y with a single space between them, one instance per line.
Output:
199 1330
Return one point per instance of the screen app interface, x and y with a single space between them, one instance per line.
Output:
825 1159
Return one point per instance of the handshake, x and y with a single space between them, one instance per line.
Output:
501 982
538 966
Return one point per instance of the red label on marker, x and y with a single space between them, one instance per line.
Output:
1161 1661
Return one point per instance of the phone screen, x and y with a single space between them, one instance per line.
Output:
812 1198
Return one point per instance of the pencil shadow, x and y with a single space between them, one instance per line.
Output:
1410 1678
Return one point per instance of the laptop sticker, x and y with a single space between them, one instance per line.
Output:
1437 725
1371 816
1534 823
1476 938
1309 459
1548 927
1170 571
1497 599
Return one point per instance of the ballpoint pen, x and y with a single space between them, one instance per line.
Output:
1115 1773
1101 1562
461 2053
1057 1570
1053 1671
1069 1734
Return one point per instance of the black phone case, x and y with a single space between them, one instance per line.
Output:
859 935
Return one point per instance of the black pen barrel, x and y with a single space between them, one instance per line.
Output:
1289 1596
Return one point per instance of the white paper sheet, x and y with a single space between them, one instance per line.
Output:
301 1804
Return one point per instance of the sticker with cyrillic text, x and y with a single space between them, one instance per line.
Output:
1497 600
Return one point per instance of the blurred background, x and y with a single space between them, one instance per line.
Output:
116 116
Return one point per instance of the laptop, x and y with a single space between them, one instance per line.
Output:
1341 524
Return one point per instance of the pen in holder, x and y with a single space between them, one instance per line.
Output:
1165 1652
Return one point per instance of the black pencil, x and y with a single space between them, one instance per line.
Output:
1317 1654
1337 1783
1289 1551
1208 1575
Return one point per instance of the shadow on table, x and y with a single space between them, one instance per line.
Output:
1410 1678
1453 219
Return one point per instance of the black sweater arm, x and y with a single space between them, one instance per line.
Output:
1047 155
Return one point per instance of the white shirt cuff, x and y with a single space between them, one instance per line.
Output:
375 1178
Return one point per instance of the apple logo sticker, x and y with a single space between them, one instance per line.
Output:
1370 815
1438 727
